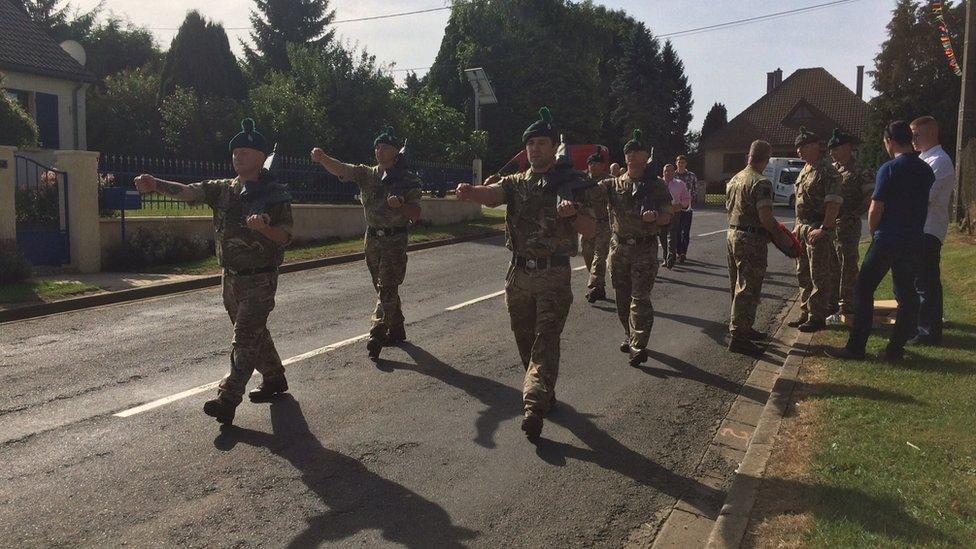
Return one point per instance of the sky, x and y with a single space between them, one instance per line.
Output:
727 65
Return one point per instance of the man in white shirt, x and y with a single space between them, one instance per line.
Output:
928 282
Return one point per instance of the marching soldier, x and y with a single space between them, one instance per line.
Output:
595 249
640 206
389 214
818 202
856 188
749 202
253 223
541 231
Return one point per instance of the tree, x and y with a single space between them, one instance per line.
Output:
278 23
123 116
640 94
296 121
912 76
114 46
679 103
717 117
17 128
60 22
434 130
200 59
198 127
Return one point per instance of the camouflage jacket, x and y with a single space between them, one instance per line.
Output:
532 227
240 248
599 201
816 186
626 197
374 194
856 186
745 194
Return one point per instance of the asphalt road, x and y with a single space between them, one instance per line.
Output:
422 449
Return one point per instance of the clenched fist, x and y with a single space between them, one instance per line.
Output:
258 221
145 183
650 216
566 209
318 155
394 202
463 191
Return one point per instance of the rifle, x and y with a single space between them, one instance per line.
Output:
568 183
259 197
398 177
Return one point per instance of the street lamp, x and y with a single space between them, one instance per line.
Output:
483 95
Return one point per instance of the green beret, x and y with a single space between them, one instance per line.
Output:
543 127
841 138
805 138
635 143
386 136
249 138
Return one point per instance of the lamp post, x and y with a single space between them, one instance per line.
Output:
483 95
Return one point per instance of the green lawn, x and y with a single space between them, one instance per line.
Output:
894 459
492 221
35 292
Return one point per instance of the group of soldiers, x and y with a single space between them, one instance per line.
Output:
831 197
619 211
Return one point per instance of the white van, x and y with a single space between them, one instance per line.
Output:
782 172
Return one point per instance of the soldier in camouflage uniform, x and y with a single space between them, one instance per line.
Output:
595 249
253 222
749 202
390 208
640 205
542 233
856 189
818 202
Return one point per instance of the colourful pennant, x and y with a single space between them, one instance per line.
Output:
944 38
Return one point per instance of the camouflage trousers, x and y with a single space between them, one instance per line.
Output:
249 300
538 303
595 252
633 269
386 258
844 267
813 272
747 269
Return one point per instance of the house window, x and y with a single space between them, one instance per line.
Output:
20 97
733 162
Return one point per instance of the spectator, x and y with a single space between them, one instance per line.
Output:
691 182
680 203
928 281
896 218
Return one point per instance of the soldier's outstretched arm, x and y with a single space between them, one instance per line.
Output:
146 183
331 165
486 195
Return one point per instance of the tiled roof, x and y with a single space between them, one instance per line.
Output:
26 48
810 91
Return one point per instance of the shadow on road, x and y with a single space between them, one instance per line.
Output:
682 369
358 499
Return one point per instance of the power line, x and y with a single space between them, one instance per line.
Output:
338 21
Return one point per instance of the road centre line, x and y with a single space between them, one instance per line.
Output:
713 232
297 358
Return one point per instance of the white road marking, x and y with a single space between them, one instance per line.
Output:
213 385
580 268
713 232
475 300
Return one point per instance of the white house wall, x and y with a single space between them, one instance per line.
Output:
64 90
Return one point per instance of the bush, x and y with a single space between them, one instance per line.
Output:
14 267
147 248
17 128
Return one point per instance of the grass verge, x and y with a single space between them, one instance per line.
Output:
41 291
491 222
882 455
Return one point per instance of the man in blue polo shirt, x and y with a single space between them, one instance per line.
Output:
897 217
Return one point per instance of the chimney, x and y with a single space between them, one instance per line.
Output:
860 82
773 79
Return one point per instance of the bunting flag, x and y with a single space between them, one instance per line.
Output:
944 38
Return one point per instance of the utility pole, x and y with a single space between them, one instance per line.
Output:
967 111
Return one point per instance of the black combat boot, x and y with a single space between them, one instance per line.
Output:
756 335
595 294
532 426
802 319
638 357
373 347
625 346
845 353
220 409
396 335
744 346
269 388
812 325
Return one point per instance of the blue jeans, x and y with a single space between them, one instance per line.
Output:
684 233
928 284
901 259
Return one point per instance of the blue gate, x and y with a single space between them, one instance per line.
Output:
42 212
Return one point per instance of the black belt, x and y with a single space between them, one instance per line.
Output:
634 240
750 230
540 262
385 231
249 272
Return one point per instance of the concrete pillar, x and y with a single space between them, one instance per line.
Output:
8 209
83 230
